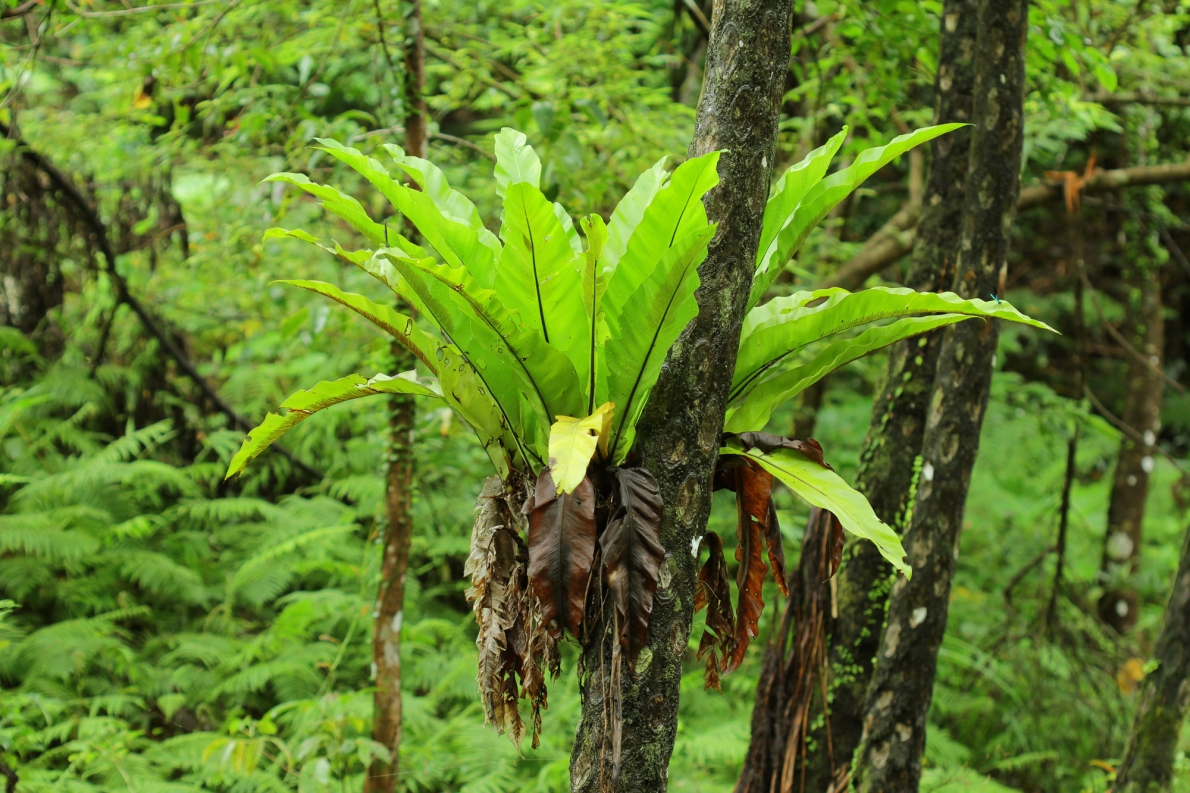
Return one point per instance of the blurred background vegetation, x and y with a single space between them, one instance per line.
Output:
163 630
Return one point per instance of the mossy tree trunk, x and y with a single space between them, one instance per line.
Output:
398 495
1120 604
747 57
1165 695
894 440
898 699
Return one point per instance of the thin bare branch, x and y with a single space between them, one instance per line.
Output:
123 12
1137 98
1132 432
700 19
895 240
90 217
1119 337
463 142
19 11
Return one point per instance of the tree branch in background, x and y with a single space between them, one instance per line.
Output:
813 26
1140 357
1137 98
895 239
1075 229
462 142
19 11
446 57
10 777
1119 606
700 19
90 217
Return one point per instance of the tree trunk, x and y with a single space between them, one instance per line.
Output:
747 57
386 656
1165 695
898 699
1120 604
887 472
390 603
30 281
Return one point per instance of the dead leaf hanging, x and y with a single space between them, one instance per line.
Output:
767 442
541 653
754 503
776 546
496 594
714 594
835 544
750 576
632 553
561 551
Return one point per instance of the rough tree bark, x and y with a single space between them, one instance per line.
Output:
1120 604
894 440
1164 698
898 699
398 495
747 57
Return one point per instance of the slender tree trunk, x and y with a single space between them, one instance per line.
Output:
415 79
889 755
1120 604
747 57
1164 698
887 462
390 605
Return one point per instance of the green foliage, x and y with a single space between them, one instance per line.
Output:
821 487
516 314
303 404
162 618
768 372
802 198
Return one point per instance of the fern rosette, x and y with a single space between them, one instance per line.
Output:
548 343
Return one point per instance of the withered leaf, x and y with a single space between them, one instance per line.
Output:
835 544
714 594
541 653
632 553
776 546
767 442
496 594
750 576
754 503
561 551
